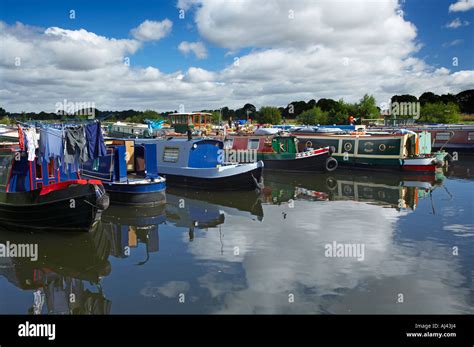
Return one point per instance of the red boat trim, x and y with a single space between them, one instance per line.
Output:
31 175
419 167
64 185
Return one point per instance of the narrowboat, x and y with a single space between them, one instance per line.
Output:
199 164
196 121
129 173
450 137
8 133
398 150
128 130
35 195
281 152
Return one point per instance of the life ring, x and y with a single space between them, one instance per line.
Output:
382 147
309 144
330 164
348 146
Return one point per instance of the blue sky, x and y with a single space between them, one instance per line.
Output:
228 30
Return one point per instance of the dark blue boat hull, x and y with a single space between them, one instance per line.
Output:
137 194
243 181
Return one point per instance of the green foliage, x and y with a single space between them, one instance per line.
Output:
269 115
367 107
313 116
440 113
216 117
6 121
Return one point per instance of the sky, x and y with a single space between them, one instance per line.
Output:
206 54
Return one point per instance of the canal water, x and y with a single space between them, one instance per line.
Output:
347 242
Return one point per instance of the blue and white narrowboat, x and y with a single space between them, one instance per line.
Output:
129 173
199 164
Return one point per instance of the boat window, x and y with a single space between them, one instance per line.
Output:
443 136
253 144
5 168
228 143
470 136
171 154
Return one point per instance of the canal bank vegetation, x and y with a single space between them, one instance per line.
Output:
433 108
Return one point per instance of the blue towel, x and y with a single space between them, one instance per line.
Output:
51 144
95 141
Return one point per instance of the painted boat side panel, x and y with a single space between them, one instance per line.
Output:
310 164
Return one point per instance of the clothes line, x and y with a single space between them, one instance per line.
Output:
69 144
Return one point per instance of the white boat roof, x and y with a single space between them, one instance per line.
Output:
189 114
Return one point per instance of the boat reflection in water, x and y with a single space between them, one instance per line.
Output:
280 234
383 189
66 277
127 227
194 209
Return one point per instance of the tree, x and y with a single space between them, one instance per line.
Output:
313 116
465 101
150 114
447 98
404 98
295 108
428 98
269 115
327 105
367 107
440 113
248 110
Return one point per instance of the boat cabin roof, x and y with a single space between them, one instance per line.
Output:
180 152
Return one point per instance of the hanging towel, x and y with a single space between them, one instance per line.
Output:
75 145
21 138
51 144
95 141
32 143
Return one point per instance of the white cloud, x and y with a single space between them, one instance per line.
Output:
325 51
152 30
456 42
197 48
461 6
456 23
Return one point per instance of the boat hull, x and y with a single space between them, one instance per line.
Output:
149 194
310 163
241 181
72 209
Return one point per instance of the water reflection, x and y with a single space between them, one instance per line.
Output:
66 277
263 252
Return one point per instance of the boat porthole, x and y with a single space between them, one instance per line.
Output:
382 147
347 146
331 183
309 144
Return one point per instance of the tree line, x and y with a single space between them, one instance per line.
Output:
446 108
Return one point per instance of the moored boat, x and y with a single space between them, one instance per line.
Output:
198 164
399 150
129 173
449 137
281 152
33 196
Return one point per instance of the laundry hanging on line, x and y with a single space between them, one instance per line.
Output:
68 145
